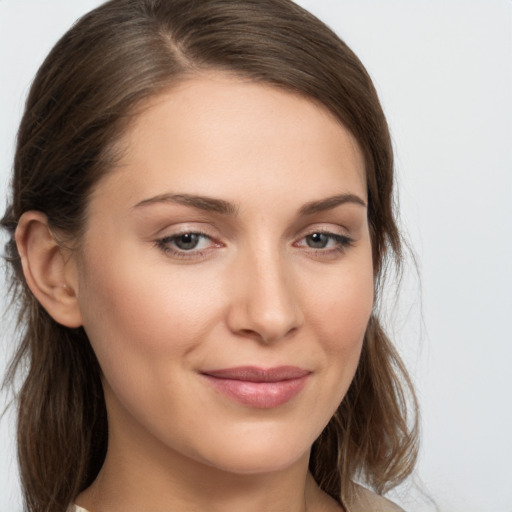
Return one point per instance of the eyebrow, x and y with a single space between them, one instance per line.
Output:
329 203
208 204
223 207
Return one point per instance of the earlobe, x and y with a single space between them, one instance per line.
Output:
49 271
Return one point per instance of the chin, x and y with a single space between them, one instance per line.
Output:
258 462
258 452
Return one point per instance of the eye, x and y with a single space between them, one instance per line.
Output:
318 240
187 241
187 244
325 241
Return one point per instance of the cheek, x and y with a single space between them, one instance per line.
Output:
342 307
339 316
142 324
135 316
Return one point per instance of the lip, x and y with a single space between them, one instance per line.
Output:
261 388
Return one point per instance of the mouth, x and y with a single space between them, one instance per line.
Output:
261 388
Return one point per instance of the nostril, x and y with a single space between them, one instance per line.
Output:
269 332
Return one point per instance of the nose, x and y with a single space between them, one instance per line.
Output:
264 302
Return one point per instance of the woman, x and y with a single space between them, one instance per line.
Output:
200 218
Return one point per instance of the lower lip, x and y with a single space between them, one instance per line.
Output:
260 395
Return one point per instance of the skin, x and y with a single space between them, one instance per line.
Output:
255 291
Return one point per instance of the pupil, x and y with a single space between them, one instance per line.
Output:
187 241
318 240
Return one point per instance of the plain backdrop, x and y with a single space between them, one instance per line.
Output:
443 70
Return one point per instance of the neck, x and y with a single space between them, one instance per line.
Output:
191 486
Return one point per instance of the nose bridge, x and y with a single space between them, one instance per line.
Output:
266 303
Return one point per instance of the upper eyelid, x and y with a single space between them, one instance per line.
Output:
181 232
171 231
328 230
213 231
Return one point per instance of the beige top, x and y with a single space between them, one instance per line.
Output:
367 501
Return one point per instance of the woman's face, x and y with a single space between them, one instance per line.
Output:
225 280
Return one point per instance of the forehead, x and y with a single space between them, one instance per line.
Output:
209 134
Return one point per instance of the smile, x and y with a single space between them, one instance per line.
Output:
257 387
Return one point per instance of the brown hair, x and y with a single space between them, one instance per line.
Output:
83 96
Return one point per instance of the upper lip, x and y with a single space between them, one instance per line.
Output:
257 374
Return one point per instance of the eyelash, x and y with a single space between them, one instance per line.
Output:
164 244
343 242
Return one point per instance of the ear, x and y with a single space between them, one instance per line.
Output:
49 269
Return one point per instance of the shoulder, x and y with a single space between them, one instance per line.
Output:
366 501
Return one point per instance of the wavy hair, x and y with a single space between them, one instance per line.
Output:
82 99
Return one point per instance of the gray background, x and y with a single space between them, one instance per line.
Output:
443 70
